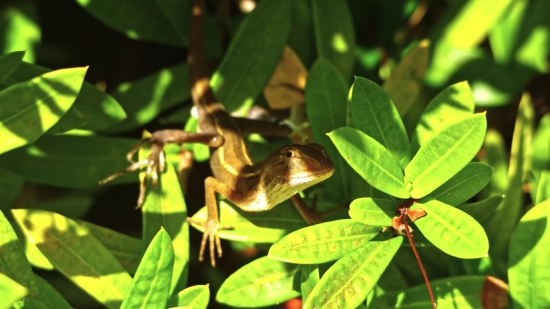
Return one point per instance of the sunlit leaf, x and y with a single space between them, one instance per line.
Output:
20 29
151 285
482 209
29 109
373 211
11 290
310 278
452 230
322 243
348 282
370 160
196 297
262 282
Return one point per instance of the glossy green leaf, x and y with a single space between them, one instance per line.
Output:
310 278
541 145
20 28
73 119
452 230
370 160
9 63
374 114
502 222
465 184
165 207
13 262
528 252
98 108
257 227
11 187
348 282
145 99
47 296
301 38
323 242
196 297
126 249
71 161
263 282
373 211
11 290
455 292
483 209
334 34
543 188
326 91
151 285
77 254
445 154
29 109
253 54
504 35
407 78
473 22
453 103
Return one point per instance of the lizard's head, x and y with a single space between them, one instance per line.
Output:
296 167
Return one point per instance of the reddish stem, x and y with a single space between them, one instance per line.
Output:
418 259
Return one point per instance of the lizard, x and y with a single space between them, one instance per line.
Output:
251 187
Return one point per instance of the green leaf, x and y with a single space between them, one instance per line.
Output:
29 109
145 99
453 292
465 184
334 34
370 160
374 114
258 227
407 78
151 285
452 230
77 254
253 54
98 108
495 156
165 207
326 94
473 22
527 273
73 119
348 282
13 262
48 296
9 63
262 282
543 188
445 154
11 187
20 29
541 145
11 290
196 297
141 20
453 103
501 224
323 242
69 206
71 161
504 35
483 209
126 249
310 278
373 211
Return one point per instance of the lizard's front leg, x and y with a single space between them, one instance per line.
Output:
212 224
155 161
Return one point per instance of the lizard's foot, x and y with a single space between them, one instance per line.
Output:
155 163
212 235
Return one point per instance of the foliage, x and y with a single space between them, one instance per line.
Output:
409 133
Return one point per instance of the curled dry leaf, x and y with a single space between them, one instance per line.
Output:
494 294
416 213
285 89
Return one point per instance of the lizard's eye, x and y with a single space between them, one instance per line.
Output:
288 154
